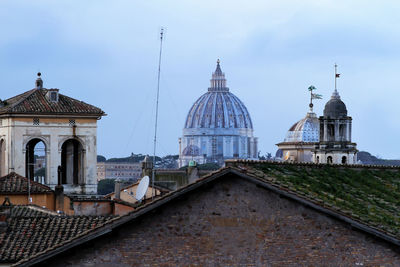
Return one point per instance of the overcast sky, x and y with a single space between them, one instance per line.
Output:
106 53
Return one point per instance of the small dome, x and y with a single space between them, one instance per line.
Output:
305 130
335 108
191 150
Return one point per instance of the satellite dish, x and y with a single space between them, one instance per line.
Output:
142 188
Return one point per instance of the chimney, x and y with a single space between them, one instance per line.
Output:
147 166
5 212
192 171
39 82
59 192
117 189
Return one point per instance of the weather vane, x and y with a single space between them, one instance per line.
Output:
313 96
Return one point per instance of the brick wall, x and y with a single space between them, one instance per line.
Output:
234 222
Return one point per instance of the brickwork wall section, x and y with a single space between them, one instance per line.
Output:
234 222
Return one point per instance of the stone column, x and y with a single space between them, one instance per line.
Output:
348 131
337 134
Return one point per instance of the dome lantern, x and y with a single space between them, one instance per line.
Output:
218 81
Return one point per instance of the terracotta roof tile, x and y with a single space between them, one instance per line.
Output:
31 231
36 102
14 183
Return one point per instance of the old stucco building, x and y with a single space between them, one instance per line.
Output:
65 127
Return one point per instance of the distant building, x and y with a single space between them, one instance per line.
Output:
113 170
65 130
335 145
301 139
128 193
218 127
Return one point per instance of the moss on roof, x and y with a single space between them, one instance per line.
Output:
371 196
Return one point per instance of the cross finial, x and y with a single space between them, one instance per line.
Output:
218 61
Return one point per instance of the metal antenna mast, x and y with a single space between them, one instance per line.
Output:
155 126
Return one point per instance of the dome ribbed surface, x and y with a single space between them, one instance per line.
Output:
218 109
305 130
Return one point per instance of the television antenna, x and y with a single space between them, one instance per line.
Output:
142 188
156 121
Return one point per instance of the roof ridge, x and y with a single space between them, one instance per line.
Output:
35 102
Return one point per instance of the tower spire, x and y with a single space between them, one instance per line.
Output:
337 75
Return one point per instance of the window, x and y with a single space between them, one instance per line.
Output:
71 122
36 121
53 96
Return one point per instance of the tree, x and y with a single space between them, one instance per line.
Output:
105 186
101 158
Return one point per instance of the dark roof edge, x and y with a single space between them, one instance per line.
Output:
233 162
52 114
297 143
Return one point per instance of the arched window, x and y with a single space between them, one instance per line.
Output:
329 160
317 159
35 160
72 162
2 158
344 160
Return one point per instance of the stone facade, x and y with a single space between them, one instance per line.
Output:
114 170
233 222
53 132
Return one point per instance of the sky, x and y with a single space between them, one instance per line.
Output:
106 53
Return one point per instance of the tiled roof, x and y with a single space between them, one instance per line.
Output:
31 231
36 102
367 194
14 183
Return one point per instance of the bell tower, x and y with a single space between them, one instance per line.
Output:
335 145
43 131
